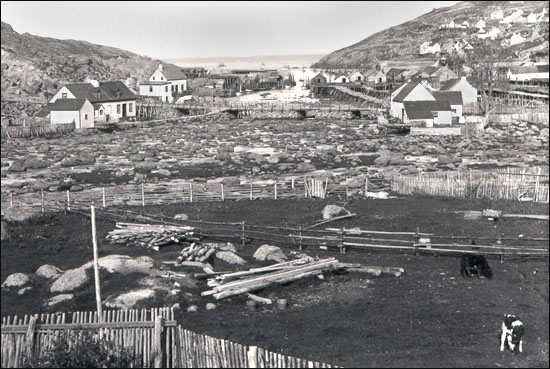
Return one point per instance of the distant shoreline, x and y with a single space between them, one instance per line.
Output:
250 62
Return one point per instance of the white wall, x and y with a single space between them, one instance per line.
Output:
469 93
419 93
86 115
60 93
63 117
526 76
164 92
443 118
111 110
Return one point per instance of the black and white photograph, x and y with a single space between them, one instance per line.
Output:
275 184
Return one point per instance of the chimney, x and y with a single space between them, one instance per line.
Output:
463 78
94 83
160 67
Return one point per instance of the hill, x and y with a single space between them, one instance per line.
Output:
34 67
405 39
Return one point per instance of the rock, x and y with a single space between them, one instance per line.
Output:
85 158
181 217
447 159
59 298
5 232
64 186
23 291
330 211
15 280
18 166
210 306
70 280
130 299
176 306
230 257
35 163
267 252
69 161
192 309
164 172
228 246
48 271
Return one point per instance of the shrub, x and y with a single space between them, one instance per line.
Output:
87 352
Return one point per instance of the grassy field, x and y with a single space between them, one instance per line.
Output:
428 317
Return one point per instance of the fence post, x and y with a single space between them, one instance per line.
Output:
68 200
250 190
157 343
223 197
252 356
244 235
275 189
29 339
96 267
342 248
300 244
366 185
191 192
417 238
103 195
292 183
11 200
142 194
42 196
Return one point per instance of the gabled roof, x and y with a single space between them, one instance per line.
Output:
43 112
453 97
173 73
430 70
405 91
449 84
396 71
107 91
530 69
424 109
66 104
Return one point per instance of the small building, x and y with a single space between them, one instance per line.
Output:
468 92
77 111
396 75
356 77
480 24
516 39
428 113
428 48
435 75
376 77
318 79
410 91
497 14
165 83
454 98
111 100
194 72
528 73
341 79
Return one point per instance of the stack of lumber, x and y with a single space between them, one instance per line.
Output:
151 235
237 283
196 252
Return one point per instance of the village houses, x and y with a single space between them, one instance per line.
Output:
435 75
165 83
376 77
468 92
87 103
529 73
356 77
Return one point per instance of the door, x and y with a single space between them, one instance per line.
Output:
124 110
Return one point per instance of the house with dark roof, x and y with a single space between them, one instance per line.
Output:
410 91
469 92
165 83
427 113
435 75
80 112
528 73
376 77
454 98
396 75
111 100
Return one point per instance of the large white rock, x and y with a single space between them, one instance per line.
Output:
59 298
268 252
331 211
130 299
48 271
70 280
15 280
230 257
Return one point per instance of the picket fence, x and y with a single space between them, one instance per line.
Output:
152 338
504 184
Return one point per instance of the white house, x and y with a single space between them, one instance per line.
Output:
410 91
516 39
480 24
428 113
376 77
497 14
356 77
111 100
527 73
468 92
80 112
427 48
515 17
165 83
341 79
455 101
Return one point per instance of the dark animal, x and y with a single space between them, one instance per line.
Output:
473 264
512 332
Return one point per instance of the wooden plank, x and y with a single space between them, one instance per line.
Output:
75 326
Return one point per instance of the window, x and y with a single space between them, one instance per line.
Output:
85 116
64 95
100 111
130 107
166 89
153 78
118 108
176 87
454 110
182 87
172 88
150 88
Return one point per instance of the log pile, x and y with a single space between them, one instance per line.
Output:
151 235
237 283
196 252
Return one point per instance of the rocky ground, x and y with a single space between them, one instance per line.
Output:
216 146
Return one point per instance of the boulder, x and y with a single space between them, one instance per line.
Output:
18 166
70 280
23 291
130 299
210 306
230 257
330 211
181 217
267 252
16 280
48 271
192 309
59 298
164 172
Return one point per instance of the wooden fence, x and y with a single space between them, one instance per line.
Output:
504 184
39 130
152 337
183 191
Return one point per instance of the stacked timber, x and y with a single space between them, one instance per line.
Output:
196 252
243 282
151 235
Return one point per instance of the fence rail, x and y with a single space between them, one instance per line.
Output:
152 337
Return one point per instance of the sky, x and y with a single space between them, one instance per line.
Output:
191 29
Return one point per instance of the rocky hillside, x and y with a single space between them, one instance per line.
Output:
405 39
34 67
